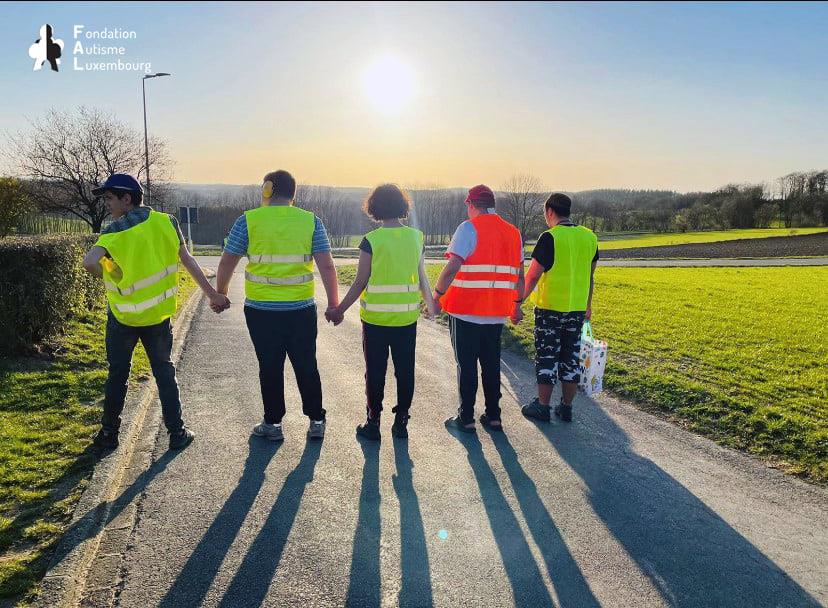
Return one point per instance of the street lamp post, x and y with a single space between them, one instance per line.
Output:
146 137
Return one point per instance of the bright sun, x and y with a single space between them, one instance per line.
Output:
388 83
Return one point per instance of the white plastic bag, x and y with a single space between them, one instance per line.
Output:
592 361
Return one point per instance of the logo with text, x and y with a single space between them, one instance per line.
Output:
93 50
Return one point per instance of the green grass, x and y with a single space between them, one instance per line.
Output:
737 354
654 240
49 410
207 250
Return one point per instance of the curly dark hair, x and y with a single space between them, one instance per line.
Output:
387 202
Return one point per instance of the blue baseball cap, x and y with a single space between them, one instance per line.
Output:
119 181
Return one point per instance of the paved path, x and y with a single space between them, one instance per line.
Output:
212 261
616 509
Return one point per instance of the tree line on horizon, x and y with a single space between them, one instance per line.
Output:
64 154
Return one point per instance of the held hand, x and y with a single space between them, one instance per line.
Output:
429 311
517 315
588 313
219 302
334 315
437 308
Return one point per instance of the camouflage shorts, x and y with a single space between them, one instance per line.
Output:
557 345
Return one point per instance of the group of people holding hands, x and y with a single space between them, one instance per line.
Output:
482 286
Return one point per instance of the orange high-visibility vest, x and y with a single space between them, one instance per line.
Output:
487 280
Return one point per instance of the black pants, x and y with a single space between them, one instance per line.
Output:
276 333
376 342
473 342
120 343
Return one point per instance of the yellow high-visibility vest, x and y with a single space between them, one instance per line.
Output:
146 258
392 296
280 241
565 286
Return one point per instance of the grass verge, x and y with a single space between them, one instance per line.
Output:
737 354
49 410
714 236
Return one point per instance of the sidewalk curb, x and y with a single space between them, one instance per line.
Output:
64 582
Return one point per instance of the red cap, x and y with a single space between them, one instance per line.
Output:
482 194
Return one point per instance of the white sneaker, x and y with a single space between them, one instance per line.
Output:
273 432
316 430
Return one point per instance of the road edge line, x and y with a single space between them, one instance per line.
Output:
64 582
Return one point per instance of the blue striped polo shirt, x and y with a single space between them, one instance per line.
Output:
237 242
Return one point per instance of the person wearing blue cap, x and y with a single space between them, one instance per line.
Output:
137 256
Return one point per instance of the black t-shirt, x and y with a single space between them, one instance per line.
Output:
544 251
365 246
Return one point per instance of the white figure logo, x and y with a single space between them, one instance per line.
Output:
46 49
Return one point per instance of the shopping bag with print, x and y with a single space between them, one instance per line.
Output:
592 361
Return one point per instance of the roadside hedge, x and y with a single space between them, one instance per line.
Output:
42 286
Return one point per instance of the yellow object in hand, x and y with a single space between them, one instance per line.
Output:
112 268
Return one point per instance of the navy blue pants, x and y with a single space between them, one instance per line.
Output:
120 344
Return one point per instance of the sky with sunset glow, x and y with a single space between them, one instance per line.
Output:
642 95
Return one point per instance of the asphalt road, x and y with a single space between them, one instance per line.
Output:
616 509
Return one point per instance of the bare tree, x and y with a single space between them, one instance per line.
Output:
522 203
66 154
332 207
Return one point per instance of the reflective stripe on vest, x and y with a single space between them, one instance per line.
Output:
392 288
279 259
389 307
484 284
142 306
489 268
143 283
300 280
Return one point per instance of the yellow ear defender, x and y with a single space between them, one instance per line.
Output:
267 190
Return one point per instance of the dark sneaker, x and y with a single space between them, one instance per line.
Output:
455 424
400 429
369 430
316 429
106 440
536 410
490 423
273 432
564 412
181 439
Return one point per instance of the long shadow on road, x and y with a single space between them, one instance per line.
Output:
414 566
364 584
252 580
528 586
689 552
97 518
194 580
566 576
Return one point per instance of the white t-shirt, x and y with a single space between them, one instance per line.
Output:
463 244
